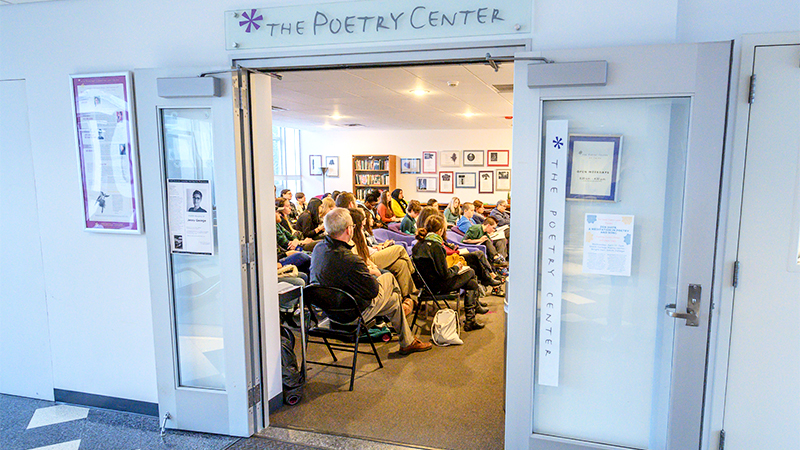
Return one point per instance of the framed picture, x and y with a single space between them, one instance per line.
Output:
473 158
105 138
503 180
497 158
486 182
409 165
428 162
446 181
593 167
450 158
426 184
465 179
315 165
332 163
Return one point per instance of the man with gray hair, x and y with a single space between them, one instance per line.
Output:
334 264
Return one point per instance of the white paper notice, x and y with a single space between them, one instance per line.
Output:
552 263
608 240
191 227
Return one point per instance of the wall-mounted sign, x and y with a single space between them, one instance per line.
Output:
593 167
191 225
552 251
373 21
608 244
104 135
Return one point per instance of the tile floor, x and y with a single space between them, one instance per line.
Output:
30 424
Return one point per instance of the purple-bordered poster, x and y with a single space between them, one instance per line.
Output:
107 155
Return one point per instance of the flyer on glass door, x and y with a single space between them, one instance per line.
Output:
191 226
608 244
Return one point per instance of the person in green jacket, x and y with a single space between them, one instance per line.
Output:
480 234
409 223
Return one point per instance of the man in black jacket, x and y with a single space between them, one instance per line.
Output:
334 264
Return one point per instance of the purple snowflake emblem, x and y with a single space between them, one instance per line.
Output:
558 142
251 20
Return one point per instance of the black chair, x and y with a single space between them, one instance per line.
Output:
426 294
346 324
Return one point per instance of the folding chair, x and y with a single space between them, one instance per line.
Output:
426 294
346 324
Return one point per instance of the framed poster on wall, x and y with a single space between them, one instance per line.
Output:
503 180
473 158
409 165
450 158
593 167
426 184
446 180
315 165
102 113
428 162
497 158
486 182
332 163
465 179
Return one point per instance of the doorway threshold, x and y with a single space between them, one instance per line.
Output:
318 440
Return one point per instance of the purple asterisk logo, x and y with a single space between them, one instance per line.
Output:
251 20
558 142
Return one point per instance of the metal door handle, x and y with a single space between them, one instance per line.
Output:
692 307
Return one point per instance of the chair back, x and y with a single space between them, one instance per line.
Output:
337 304
455 237
457 230
394 226
381 234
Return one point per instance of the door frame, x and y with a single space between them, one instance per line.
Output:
519 417
333 58
733 191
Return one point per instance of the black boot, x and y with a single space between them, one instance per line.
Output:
470 302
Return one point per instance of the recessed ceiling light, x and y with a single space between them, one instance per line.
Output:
452 83
336 116
469 114
419 92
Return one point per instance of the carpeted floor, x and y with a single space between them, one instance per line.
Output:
446 398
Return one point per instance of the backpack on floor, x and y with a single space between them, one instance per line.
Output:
293 379
444 330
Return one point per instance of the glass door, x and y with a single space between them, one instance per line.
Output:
201 250
618 289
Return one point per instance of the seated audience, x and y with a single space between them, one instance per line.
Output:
391 258
371 204
385 209
283 206
398 204
480 211
433 202
479 234
309 222
409 223
430 258
465 221
334 264
453 211
290 250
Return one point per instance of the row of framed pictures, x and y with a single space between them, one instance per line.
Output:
331 164
454 158
484 180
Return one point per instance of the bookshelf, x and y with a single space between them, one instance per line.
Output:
373 172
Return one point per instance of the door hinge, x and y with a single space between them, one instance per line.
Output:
246 252
721 439
736 274
751 98
254 395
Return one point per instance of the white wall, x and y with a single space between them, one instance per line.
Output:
97 285
403 144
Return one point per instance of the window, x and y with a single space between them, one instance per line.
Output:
286 158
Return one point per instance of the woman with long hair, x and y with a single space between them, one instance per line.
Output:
398 204
385 209
430 258
453 211
309 222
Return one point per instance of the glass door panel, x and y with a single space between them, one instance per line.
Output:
196 296
616 340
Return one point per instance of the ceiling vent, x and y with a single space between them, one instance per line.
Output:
349 125
503 88
278 108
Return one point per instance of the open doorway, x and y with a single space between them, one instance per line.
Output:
450 397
